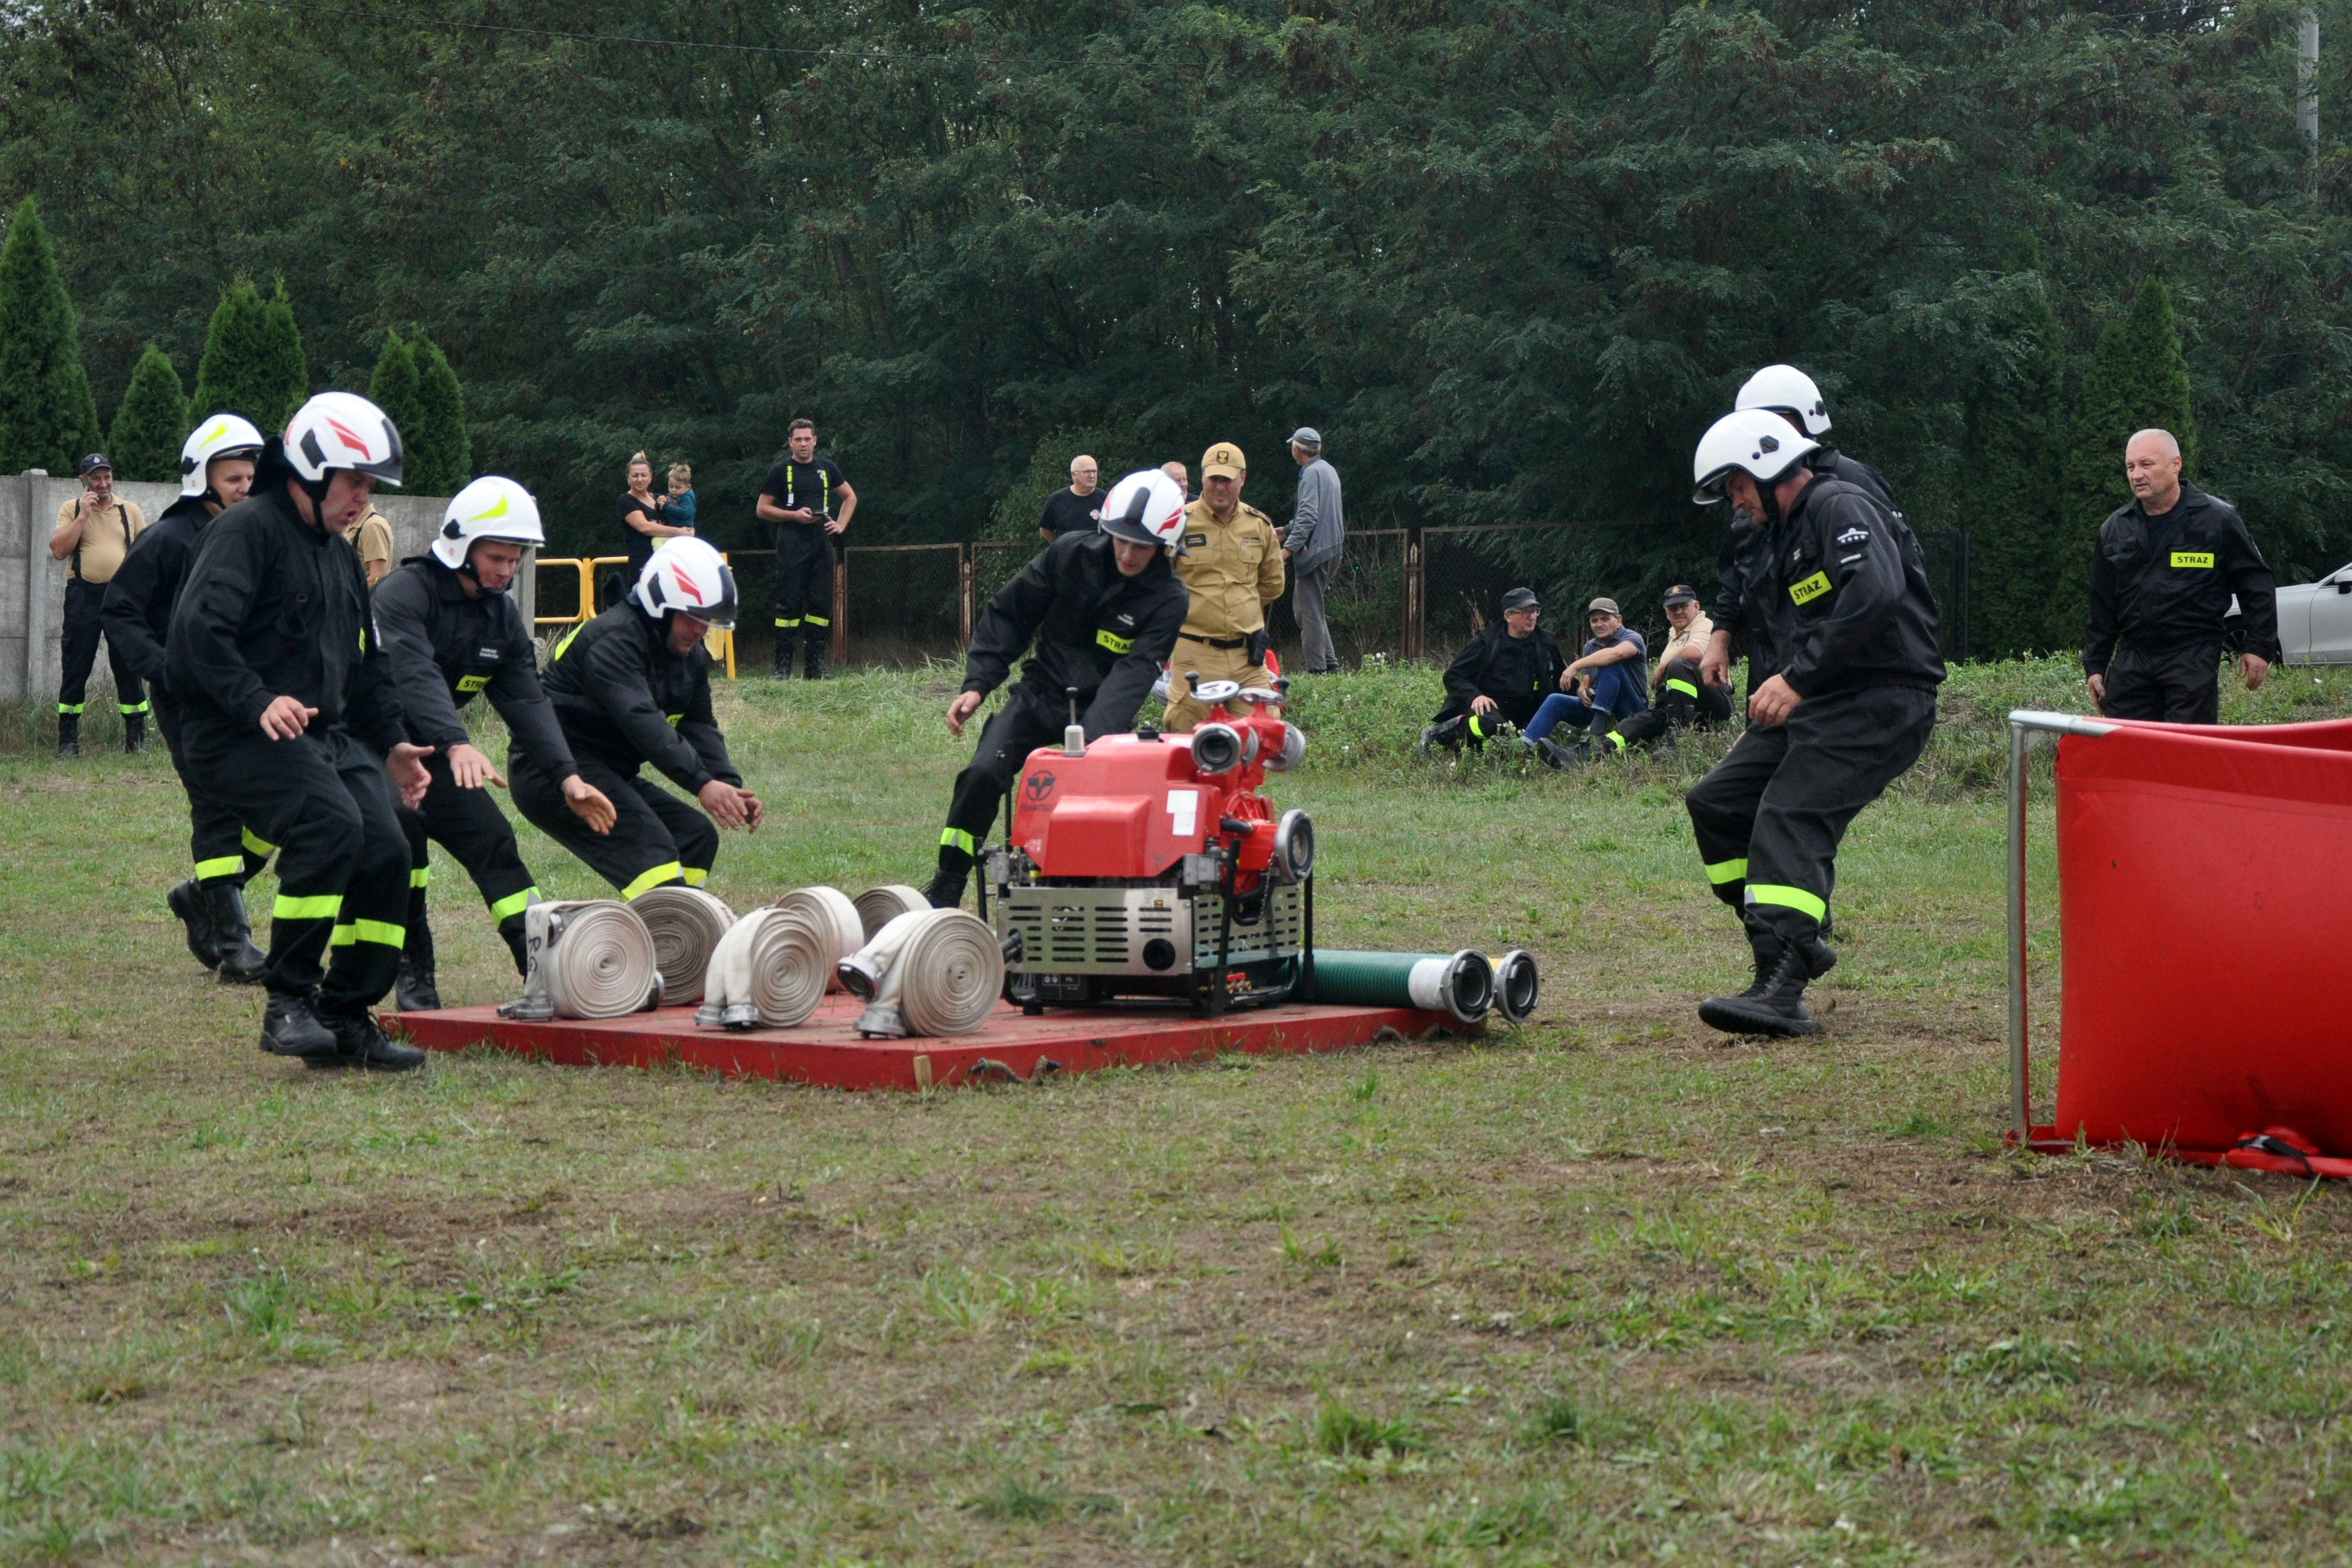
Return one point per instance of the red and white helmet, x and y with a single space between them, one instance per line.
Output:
1147 508
686 575
341 430
492 507
222 435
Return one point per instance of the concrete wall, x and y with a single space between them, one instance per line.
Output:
33 586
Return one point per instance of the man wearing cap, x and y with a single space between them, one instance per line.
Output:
1317 526
94 533
1504 675
1231 565
1680 699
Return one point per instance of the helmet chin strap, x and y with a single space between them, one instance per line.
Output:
317 490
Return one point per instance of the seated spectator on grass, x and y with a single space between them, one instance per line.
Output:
677 510
1603 685
1683 699
1501 678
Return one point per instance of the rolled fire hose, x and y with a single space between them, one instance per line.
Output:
928 972
1461 984
877 907
772 968
1518 986
686 924
830 909
589 959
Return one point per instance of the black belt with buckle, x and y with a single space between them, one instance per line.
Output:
1225 643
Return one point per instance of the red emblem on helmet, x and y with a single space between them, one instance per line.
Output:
350 437
686 584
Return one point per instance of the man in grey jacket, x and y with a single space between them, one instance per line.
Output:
1312 547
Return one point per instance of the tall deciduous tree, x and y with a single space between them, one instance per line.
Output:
444 451
48 417
2016 423
151 423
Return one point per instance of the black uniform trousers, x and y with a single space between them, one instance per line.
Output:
659 840
1770 815
2180 685
81 650
470 825
326 801
1682 701
223 849
803 588
1023 725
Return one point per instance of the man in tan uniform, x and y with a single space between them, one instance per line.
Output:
371 536
1233 566
94 533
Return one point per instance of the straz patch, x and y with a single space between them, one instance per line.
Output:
2202 559
1106 638
1854 537
1812 588
472 683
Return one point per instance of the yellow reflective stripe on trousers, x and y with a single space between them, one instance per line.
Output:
819 621
957 839
420 876
256 844
668 871
381 932
513 903
132 710
1722 871
1795 898
695 875
318 907
787 625
1476 729
69 709
1615 739
219 866
1684 687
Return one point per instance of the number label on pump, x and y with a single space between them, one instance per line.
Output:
1184 810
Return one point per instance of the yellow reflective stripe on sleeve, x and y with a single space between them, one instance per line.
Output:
2193 557
565 641
695 875
420 876
819 621
318 907
674 719
1812 588
1795 898
472 683
256 844
957 839
1116 644
1722 871
667 871
1684 687
513 903
219 866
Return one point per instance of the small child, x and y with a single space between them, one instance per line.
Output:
677 510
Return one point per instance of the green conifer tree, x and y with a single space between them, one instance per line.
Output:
442 459
286 373
230 378
2138 379
2016 450
393 387
150 423
48 417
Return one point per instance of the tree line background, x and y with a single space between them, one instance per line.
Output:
1510 257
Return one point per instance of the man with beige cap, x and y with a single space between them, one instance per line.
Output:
1231 564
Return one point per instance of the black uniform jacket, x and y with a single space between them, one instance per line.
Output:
2175 595
625 700
445 648
1518 673
1741 561
137 610
1847 597
274 607
1093 629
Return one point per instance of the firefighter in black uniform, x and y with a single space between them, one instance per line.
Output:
289 718
2161 577
215 473
453 632
1845 591
1500 676
811 504
632 688
1104 608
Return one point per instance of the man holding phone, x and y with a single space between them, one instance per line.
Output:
94 533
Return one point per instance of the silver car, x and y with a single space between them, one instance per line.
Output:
2314 619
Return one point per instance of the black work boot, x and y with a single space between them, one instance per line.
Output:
69 734
359 1043
946 891
783 656
1774 1003
415 991
1449 733
510 932
289 1027
812 655
188 903
134 733
240 963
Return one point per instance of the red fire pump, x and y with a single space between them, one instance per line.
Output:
1149 865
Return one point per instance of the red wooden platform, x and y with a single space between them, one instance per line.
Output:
828 1051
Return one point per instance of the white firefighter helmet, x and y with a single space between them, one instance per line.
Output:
343 430
492 507
222 435
1146 507
1786 386
686 575
1760 445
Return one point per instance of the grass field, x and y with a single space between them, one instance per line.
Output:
1610 1287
